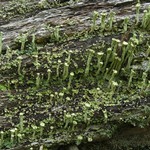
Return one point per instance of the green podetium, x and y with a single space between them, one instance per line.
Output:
38 80
42 125
144 77
131 77
12 135
65 71
87 69
70 79
103 18
112 77
2 138
19 64
1 44
125 24
58 67
113 88
48 75
99 62
109 50
95 17
124 51
138 5
111 19
21 124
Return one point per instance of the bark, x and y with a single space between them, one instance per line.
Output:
62 29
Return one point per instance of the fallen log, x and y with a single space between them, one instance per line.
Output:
74 73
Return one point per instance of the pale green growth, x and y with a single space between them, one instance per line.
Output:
131 77
106 73
111 19
138 6
105 115
19 64
116 64
19 137
69 56
109 50
51 98
1 43
130 58
124 51
148 51
58 67
113 88
48 54
65 71
144 78
12 136
148 65
103 18
22 40
125 24
114 44
38 80
99 62
70 79
21 124
87 69
2 138
67 119
61 96
42 125
34 127
112 77
74 124
79 139
146 20
33 43
95 17
36 63
48 75
90 139
56 34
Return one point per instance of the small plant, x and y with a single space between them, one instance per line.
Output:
125 24
1 44
103 18
138 6
48 75
70 79
132 73
38 80
87 69
65 71
111 19
21 124
19 64
95 17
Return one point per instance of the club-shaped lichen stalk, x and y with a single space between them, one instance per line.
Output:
144 78
23 39
132 73
34 127
48 57
148 51
38 80
109 50
105 115
111 19
99 62
12 135
19 64
138 5
42 125
19 137
112 77
66 70
125 24
61 95
33 43
114 46
113 88
67 119
58 67
37 64
106 73
2 138
103 18
48 75
79 139
74 124
87 69
130 58
1 43
70 79
95 17
21 124
124 51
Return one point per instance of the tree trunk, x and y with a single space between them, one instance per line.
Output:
74 72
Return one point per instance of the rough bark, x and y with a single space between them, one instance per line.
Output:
63 30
